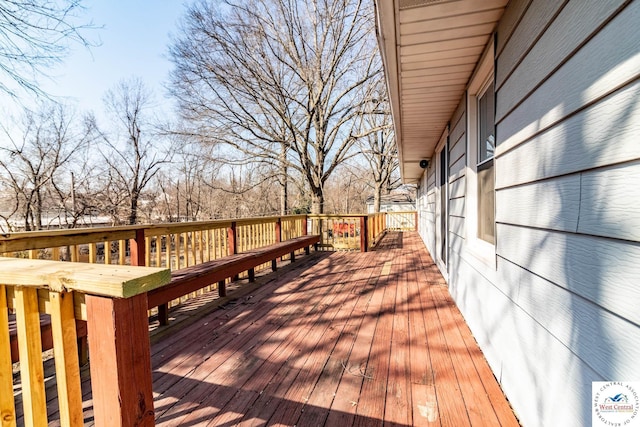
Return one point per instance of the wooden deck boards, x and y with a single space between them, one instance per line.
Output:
342 339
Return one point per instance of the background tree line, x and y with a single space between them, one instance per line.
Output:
281 108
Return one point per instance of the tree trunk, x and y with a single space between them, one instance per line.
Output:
133 213
284 181
377 195
317 201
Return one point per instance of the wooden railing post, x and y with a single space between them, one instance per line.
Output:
232 242
121 380
415 224
278 238
363 234
231 239
305 224
137 248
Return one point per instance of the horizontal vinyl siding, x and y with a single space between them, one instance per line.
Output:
457 179
561 308
427 207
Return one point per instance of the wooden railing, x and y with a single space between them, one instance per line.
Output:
111 296
376 226
112 299
402 221
179 245
172 245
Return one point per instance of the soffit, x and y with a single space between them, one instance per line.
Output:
430 49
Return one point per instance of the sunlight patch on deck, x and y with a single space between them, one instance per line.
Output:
386 268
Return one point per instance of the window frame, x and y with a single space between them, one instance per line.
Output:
478 84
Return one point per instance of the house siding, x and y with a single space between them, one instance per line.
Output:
427 208
559 309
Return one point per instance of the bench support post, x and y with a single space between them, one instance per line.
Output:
222 288
252 275
163 314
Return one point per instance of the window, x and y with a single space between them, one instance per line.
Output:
485 174
480 171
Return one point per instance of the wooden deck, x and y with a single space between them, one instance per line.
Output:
341 339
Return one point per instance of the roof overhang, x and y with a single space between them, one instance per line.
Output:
429 51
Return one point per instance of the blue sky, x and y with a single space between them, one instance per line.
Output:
134 42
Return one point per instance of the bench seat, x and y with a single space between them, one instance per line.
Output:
183 282
190 279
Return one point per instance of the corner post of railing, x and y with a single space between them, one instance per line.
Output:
121 378
305 225
415 223
278 238
137 248
363 234
231 239
232 243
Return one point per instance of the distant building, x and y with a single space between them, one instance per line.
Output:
393 203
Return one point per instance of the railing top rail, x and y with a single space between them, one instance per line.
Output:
26 240
51 238
113 281
331 216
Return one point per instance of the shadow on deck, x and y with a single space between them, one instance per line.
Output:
337 339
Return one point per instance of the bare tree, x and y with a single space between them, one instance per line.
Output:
378 145
36 165
135 158
281 81
35 35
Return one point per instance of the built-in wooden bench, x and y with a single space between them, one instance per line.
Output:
183 282
190 279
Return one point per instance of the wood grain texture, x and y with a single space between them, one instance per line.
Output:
63 327
562 94
54 238
603 271
7 403
552 204
109 280
553 47
609 202
603 134
34 399
120 361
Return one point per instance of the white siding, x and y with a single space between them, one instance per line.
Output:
559 309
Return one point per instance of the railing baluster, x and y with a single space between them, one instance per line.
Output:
107 252
34 399
63 328
7 403
121 252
